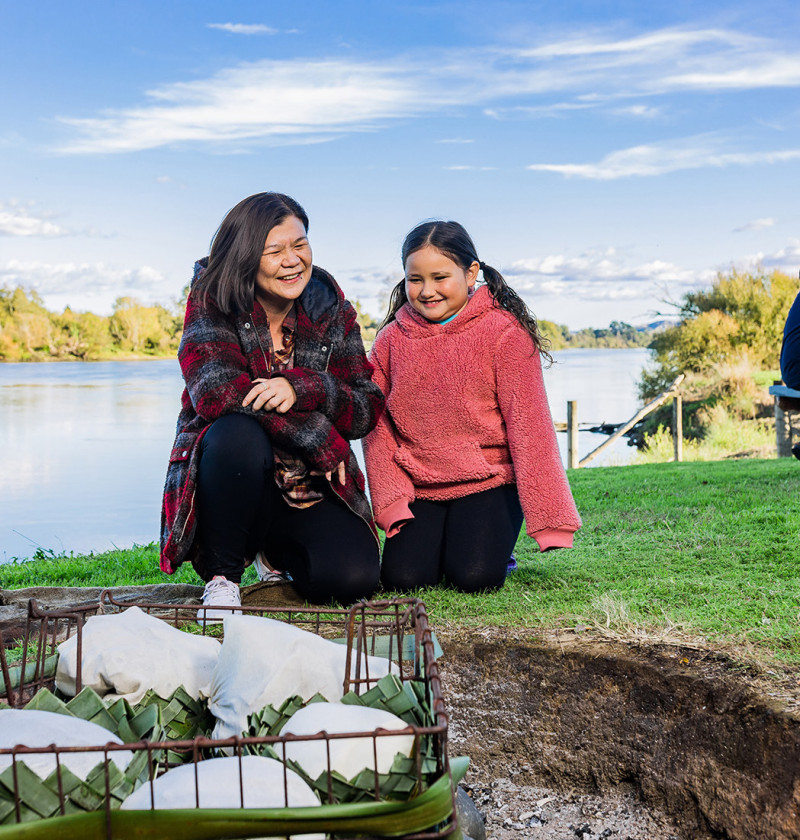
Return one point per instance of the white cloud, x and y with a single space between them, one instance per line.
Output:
600 275
86 286
645 111
469 168
527 112
16 220
786 259
605 275
292 101
267 100
455 140
756 224
665 41
662 158
244 28
370 286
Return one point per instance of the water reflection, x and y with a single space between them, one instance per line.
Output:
85 445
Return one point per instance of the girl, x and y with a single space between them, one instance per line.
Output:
277 383
466 445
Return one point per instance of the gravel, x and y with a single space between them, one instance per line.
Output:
514 811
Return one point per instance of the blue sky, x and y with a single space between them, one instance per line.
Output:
605 156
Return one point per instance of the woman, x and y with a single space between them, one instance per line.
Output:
277 383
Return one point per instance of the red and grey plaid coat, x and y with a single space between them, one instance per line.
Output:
220 355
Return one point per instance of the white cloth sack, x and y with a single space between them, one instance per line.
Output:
127 653
218 784
35 728
349 756
264 661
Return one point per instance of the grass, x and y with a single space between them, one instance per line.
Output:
702 549
725 436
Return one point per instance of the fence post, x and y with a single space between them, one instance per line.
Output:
572 434
677 426
783 428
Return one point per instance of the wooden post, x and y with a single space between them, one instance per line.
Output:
783 429
572 434
642 413
677 426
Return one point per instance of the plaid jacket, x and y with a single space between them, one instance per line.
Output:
220 355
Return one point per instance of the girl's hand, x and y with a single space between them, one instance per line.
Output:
271 395
341 473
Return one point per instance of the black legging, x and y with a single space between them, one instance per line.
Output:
329 550
466 542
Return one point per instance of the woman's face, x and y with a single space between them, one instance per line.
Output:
437 287
285 267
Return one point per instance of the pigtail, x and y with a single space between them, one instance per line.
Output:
506 298
397 299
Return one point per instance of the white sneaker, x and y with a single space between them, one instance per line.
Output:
219 592
265 572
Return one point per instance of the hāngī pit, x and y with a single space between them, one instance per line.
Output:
623 742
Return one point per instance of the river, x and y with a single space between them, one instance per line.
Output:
84 444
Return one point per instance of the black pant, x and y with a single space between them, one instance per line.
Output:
330 551
466 542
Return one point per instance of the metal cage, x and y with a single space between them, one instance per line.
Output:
396 629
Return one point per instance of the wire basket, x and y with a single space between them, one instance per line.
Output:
420 805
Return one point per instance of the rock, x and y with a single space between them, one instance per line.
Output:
469 819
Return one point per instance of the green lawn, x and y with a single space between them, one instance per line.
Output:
702 549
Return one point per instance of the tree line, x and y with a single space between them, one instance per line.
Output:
30 332
739 318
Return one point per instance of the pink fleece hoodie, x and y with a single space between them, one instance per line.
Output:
466 411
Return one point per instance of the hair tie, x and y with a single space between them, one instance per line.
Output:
481 265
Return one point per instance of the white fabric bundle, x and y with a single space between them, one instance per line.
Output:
35 728
130 652
264 661
349 756
218 785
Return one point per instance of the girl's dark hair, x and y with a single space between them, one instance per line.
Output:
452 240
237 247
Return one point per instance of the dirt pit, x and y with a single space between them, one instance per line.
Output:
570 739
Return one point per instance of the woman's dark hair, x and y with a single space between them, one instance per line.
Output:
237 247
452 240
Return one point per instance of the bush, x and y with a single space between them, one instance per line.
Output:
737 323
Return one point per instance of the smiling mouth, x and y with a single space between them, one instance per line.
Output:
431 302
291 277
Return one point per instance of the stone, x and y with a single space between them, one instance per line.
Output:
469 819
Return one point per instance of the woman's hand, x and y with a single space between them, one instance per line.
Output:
341 473
271 395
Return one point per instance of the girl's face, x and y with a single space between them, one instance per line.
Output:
437 287
285 267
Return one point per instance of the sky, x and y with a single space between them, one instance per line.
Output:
607 157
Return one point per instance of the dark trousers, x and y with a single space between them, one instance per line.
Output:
330 551
465 542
